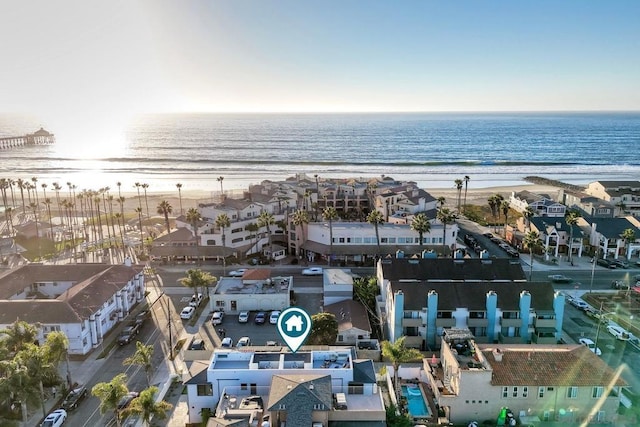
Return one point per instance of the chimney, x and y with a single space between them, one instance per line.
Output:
497 355
127 261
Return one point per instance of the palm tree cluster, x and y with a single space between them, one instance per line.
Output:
27 368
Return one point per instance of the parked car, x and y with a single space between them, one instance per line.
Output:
243 342
129 333
620 263
227 342
559 278
618 332
196 299
126 400
197 344
243 317
313 271
74 397
142 316
605 263
488 235
55 419
619 284
579 304
237 273
260 318
590 345
187 313
273 318
217 317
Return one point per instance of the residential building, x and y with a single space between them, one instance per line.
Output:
625 195
328 387
421 297
85 301
337 285
555 235
353 321
605 236
256 290
587 205
541 204
563 383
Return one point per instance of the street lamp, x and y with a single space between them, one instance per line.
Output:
593 271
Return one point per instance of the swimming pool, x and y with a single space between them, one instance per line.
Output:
416 401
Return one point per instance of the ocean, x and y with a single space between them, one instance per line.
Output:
432 149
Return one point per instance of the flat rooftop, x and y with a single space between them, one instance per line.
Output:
236 285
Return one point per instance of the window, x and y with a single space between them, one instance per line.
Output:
318 406
515 392
219 303
525 391
205 390
357 240
243 386
540 392
572 392
597 392
505 392
340 338
282 407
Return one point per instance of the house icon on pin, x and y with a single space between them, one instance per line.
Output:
294 323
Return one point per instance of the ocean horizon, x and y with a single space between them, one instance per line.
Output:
433 149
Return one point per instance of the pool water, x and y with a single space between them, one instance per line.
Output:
415 401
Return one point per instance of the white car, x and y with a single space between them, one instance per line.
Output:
227 342
237 273
590 345
618 332
273 318
243 342
217 318
55 419
187 313
313 271
196 299
243 317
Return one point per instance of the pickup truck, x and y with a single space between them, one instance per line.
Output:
128 333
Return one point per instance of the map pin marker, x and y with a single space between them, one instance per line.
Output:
294 325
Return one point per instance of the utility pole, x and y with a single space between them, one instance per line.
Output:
170 335
593 270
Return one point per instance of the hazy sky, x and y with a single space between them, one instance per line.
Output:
81 60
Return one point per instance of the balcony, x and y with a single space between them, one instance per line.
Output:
544 323
510 323
471 322
509 340
446 322
407 322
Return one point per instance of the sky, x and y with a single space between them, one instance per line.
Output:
89 63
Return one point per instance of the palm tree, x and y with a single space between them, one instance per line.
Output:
35 188
330 214
47 203
197 278
57 187
220 179
44 190
34 208
146 406
164 209
504 205
137 185
571 218
458 183
179 187
17 335
252 228
375 218
143 357
441 200
110 393
421 225
139 212
397 353
445 216
265 219
146 201
8 213
299 219
193 218
494 204
223 221
628 235
16 383
532 241
528 213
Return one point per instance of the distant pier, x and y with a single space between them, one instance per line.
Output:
40 137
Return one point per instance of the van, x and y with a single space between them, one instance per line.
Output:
197 344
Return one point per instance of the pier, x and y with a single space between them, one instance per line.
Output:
40 137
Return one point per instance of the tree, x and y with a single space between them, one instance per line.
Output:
504 205
532 241
220 179
47 203
146 201
395 420
198 279
330 214
139 212
137 185
458 183
494 204
17 384
265 219
421 225
528 214
628 235
466 185
179 187
299 219
324 329
571 218
17 335
146 406
375 218
143 357
110 393
223 221
164 209
252 228
445 216
397 354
